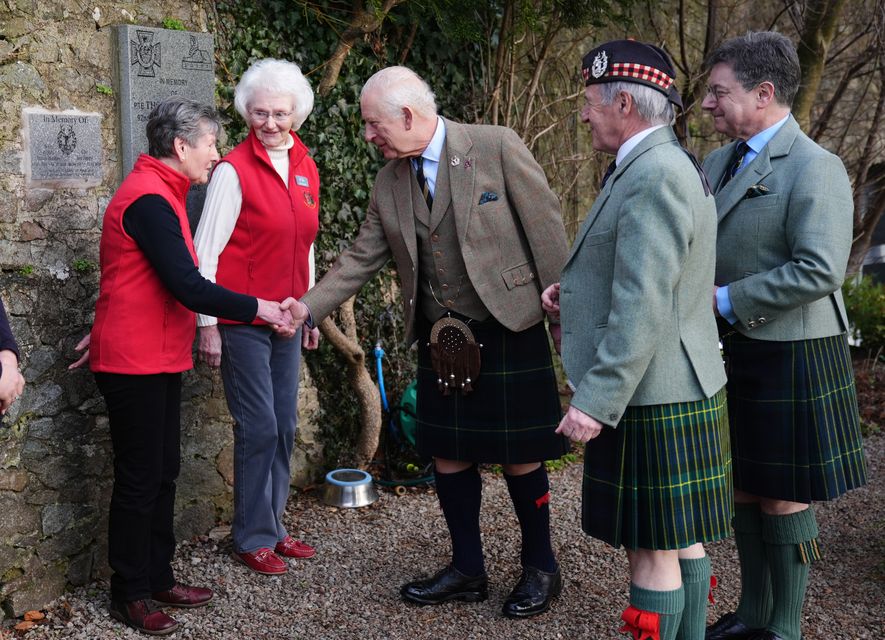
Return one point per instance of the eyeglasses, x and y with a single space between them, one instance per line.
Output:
717 92
279 116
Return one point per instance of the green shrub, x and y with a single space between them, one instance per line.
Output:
174 24
865 302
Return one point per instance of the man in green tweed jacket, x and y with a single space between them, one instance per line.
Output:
639 345
785 223
475 232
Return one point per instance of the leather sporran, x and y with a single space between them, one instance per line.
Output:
454 355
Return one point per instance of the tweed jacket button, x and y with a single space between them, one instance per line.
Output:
762 321
751 324
613 416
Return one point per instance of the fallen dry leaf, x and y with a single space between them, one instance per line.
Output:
25 626
34 615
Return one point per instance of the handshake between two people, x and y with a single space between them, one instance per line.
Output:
285 318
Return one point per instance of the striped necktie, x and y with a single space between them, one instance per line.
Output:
422 183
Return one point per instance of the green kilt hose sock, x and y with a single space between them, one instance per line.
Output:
530 494
653 615
460 497
754 608
791 545
696 583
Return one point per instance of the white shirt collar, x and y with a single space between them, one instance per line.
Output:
434 149
634 140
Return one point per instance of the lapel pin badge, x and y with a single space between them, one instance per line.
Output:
456 161
467 163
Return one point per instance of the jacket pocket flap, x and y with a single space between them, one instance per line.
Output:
519 275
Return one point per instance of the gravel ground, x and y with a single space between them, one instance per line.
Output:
349 590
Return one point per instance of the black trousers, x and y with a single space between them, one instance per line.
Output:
144 416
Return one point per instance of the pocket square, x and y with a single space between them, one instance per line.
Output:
488 196
757 190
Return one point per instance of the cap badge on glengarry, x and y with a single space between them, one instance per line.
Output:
600 64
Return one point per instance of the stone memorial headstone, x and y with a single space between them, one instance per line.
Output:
62 148
153 64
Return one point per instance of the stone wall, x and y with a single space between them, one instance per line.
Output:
55 454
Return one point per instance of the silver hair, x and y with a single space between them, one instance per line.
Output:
398 87
653 106
761 56
279 77
177 117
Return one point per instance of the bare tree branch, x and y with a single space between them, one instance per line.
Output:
367 395
822 17
363 23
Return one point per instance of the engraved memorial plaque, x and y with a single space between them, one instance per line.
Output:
154 64
62 148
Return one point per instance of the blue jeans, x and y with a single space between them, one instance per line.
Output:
260 374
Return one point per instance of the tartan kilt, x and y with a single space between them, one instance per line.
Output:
795 426
513 410
662 478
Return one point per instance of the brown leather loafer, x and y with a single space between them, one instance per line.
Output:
184 596
144 616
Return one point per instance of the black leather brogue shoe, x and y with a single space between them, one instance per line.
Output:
533 593
447 584
765 634
730 627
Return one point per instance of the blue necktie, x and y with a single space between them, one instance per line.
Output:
740 150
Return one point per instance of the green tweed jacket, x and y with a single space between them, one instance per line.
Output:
785 227
635 296
507 219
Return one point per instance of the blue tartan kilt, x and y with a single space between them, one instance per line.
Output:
661 479
795 426
513 411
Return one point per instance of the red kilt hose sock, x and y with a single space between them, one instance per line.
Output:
754 608
696 583
530 494
460 497
791 545
653 615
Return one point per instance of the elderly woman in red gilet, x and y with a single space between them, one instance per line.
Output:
256 234
141 342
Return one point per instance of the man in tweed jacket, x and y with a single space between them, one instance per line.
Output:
785 223
466 214
639 344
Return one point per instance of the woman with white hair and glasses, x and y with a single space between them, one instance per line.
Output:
256 235
141 343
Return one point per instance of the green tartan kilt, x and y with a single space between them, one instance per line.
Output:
662 478
512 414
795 427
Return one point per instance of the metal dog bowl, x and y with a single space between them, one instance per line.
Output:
349 488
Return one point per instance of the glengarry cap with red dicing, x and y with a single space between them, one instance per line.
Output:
632 61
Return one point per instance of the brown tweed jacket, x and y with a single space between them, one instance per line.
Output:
508 223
